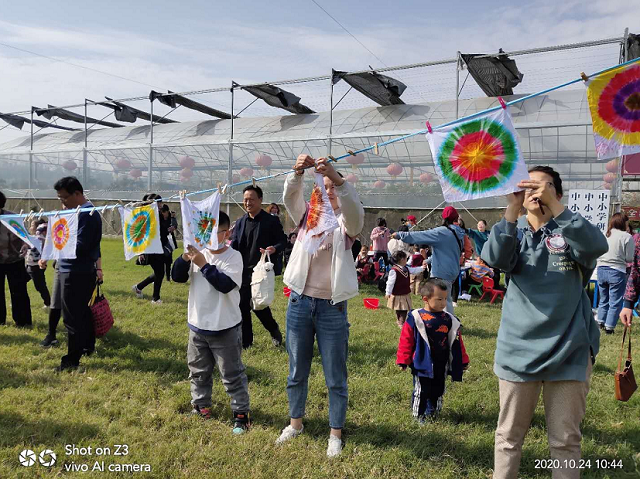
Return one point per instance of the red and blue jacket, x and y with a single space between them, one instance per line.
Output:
414 350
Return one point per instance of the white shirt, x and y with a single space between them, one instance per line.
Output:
209 309
391 279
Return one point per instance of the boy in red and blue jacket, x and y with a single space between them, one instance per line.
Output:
431 345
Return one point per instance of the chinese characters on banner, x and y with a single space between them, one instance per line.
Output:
593 205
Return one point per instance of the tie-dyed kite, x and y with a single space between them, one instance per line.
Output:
319 221
478 158
140 230
614 101
18 229
200 222
62 236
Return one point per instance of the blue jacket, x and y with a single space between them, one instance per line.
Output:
414 351
446 249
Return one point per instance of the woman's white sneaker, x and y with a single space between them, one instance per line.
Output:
335 446
289 433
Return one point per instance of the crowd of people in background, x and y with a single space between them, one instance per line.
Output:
547 341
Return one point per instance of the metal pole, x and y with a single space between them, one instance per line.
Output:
619 182
457 82
150 167
330 112
229 172
85 175
31 154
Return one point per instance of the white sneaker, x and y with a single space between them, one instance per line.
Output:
158 302
46 308
136 291
335 446
289 433
454 304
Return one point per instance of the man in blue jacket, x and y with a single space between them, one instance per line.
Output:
78 276
446 244
254 233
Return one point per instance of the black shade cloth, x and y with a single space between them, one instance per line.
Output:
633 46
63 114
278 98
19 121
125 113
497 76
172 100
382 89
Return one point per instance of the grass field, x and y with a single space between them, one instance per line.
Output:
135 391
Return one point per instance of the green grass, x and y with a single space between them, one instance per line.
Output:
135 391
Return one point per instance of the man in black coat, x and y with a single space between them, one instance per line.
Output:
253 234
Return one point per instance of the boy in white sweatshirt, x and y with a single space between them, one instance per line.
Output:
214 320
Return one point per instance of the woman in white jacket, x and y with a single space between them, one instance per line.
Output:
320 286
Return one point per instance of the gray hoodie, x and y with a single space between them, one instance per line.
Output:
547 331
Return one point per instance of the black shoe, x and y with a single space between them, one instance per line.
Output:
49 341
88 352
241 422
601 326
608 331
277 339
66 367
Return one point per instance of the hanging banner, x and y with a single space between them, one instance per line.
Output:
16 226
593 205
62 236
319 220
200 222
478 158
140 230
614 101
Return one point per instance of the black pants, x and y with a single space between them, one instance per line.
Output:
76 290
168 261
428 392
40 283
20 304
264 315
157 262
496 277
381 254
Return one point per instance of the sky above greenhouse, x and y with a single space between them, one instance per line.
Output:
164 45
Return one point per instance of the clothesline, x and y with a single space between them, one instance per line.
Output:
350 153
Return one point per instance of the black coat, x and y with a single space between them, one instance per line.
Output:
269 233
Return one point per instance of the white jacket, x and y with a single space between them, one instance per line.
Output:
344 280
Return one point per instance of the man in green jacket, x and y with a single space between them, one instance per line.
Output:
547 339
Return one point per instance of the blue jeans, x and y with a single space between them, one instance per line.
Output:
611 286
308 317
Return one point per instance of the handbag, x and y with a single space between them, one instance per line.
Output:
625 380
101 312
262 283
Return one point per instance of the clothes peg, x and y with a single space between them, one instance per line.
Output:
40 213
375 149
332 158
584 76
429 129
77 210
253 181
351 153
21 212
220 187
224 189
502 103
92 211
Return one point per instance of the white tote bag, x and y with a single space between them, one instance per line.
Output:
263 283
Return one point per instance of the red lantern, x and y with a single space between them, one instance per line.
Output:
351 178
135 173
379 184
264 161
187 162
394 169
246 172
69 165
426 178
123 164
612 166
607 186
355 160
186 173
609 178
